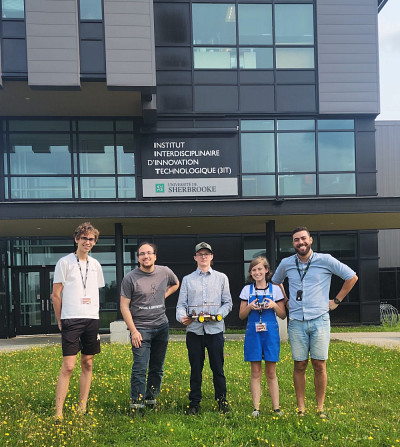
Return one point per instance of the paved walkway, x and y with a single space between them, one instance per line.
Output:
383 339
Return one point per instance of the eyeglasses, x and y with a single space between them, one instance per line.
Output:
88 239
144 253
204 255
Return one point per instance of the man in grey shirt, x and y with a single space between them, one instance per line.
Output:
143 294
205 295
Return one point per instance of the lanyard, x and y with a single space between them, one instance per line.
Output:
86 275
305 270
268 287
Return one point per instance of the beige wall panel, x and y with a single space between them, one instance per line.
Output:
52 42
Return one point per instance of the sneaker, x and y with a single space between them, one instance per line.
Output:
223 406
278 412
150 403
256 413
137 405
193 410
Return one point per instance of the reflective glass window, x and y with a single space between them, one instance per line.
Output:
41 188
126 187
214 24
257 125
335 124
40 251
256 58
107 298
255 24
90 10
337 184
96 154
258 152
40 154
253 247
295 125
285 247
130 251
95 126
12 9
125 154
294 24
297 185
295 58
336 151
339 245
215 58
296 152
38 125
97 187
258 185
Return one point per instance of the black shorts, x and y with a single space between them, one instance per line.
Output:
80 334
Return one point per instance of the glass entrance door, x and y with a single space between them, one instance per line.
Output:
33 307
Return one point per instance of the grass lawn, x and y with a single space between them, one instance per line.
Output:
363 402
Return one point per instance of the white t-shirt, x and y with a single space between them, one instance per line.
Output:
75 302
276 293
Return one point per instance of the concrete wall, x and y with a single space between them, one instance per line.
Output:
52 42
130 52
347 35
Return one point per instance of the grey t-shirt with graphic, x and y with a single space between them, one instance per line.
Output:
147 294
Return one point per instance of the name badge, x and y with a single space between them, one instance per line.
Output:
261 327
86 300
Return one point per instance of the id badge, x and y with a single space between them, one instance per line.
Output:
86 300
261 327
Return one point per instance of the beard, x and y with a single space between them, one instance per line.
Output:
303 250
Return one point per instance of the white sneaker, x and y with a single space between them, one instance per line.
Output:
255 414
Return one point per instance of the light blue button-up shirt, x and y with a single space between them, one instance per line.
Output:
204 292
315 285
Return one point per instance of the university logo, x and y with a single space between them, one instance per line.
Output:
159 187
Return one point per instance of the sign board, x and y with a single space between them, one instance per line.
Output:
186 167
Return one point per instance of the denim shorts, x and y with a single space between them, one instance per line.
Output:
310 337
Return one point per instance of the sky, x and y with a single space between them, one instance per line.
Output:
389 60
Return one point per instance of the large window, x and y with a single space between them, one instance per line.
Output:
297 157
245 36
12 9
90 10
69 160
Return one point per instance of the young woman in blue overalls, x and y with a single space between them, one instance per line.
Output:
261 300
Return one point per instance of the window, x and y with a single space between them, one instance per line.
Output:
90 10
86 159
12 9
229 36
302 157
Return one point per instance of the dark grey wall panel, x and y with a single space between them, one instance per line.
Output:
295 76
295 98
172 23
171 99
13 55
366 184
220 77
388 158
257 98
365 152
129 36
347 36
216 98
174 77
256 76
175 58
52 42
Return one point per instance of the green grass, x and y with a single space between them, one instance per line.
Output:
363 401
369 328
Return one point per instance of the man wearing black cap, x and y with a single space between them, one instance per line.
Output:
204 301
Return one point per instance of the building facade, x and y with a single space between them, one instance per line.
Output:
182 121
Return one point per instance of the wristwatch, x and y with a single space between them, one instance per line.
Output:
336 301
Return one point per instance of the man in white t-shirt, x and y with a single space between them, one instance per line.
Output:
77 279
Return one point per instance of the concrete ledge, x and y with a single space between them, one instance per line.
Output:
119 332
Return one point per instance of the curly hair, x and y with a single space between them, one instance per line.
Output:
85 228
260 260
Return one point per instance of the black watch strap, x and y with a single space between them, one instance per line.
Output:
336 301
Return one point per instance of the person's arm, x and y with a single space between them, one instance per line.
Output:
57 301
246 308
285 298
136 336
171 289
181 306
226 299
345 290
